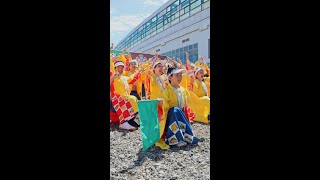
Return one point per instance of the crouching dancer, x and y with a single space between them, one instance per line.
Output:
175 128
123 103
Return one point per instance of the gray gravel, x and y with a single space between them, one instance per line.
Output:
127 161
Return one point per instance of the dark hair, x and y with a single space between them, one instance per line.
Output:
206 75
170 69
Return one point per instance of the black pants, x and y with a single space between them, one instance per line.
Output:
134 93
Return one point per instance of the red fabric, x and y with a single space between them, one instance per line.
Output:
127 62
187 65
188 113
135 78
160 112
123 108
147 88
114 117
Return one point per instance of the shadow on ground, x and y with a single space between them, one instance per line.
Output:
155 154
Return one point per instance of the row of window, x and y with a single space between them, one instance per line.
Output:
174 13
181 53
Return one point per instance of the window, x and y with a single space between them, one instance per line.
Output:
184 3
208 48
195 46
162 12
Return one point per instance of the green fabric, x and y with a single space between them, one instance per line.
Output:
149 125
117 53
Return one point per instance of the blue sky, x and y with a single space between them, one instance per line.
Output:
125 15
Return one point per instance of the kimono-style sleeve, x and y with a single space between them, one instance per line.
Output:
133 78
196 88
165 95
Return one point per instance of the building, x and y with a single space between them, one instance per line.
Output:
176 27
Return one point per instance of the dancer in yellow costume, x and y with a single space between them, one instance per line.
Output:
199 86
135 88
201 63
175 129
121 84
157 83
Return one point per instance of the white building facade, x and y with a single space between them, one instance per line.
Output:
176 27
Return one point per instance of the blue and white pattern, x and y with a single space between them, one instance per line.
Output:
178 128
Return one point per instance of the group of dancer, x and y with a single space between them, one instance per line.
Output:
182 91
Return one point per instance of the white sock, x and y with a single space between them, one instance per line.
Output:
181 143
126 125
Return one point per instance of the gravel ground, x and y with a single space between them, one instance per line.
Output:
127 161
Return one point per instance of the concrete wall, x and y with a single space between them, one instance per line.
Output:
196 28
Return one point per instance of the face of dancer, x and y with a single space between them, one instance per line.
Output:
192 68
158 70
133 66
192 77
200 75
175 79
120 69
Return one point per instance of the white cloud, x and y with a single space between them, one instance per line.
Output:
125 23
154 2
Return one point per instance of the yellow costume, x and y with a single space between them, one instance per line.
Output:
200 106
186 80
207 82
203 66
121 85
155 86
198 89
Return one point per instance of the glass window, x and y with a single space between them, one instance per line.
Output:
190 47
154 19
195 4
184 3
168 9
185 48
160 19
177 51
195 45
162 12
181 50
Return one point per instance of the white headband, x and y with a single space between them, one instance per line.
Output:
155 64
198 69
175 71
120 63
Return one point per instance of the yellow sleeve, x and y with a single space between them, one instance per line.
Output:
185 81
119 86
197 88
197 63
125 73
145 64
207 79
155 90
205 66
111 65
